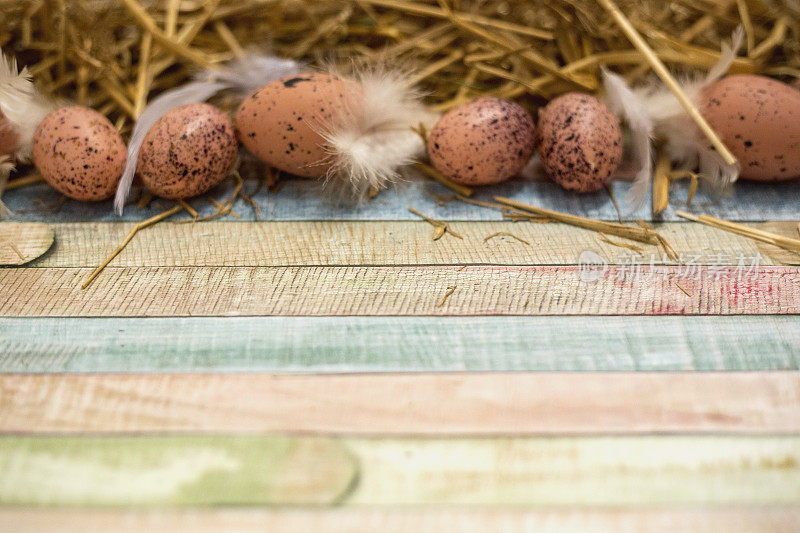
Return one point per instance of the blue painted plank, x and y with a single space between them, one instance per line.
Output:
302 200
391 344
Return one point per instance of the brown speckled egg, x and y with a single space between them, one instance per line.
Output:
485 141
188 151
758 119
580 142
281 122
8 137
79 152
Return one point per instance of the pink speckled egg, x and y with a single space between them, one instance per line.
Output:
188 151
79 152
8 137
485 141
580 142
281 122
758 119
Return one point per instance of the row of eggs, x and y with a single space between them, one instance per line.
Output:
191 148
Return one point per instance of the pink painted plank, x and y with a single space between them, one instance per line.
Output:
478 290
437 404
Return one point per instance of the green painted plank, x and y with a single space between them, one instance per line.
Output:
171 470
391 344
222 470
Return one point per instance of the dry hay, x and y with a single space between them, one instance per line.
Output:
115 55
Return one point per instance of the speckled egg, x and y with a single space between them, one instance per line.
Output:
188 151
79 152
281 122
580 142
758 119
8 137
485 141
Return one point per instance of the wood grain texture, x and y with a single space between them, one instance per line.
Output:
224 470
385 243
399 344
481 290
304 200
775 253
755 519
583 471
174 471
492 403
21 243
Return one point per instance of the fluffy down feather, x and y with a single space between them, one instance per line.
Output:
23 108
653 111
626 105
368 142
243 75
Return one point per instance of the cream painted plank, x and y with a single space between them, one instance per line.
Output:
476 403
233 470
381 243
478 290
771 519
600 471
774 253
21 243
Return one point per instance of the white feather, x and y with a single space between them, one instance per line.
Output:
682 141
630 107
243 75
6 167
371 138
22 105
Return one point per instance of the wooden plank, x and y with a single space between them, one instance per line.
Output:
174 470
223 470
786 228
303 200
597 471
21 243
387 243
479 290
772 519
399 344
477 403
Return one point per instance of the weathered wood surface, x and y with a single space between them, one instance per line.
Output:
21 243
390 243
478 403
738 519
246 470
399 344
786 228
170 470
303 200
479 290
579 471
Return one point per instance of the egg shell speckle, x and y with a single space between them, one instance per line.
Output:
485 141
8 137
758 119
188 151
281 122
79 153
580 142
